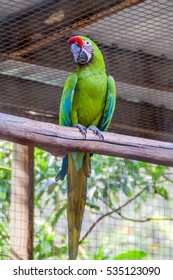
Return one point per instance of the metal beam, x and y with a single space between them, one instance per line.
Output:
41 101
24 40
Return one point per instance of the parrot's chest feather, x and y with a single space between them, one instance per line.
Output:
89 99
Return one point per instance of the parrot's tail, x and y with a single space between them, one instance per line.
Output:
77 181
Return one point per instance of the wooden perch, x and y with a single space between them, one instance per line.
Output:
60 140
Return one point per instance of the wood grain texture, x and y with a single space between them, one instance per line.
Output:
22 203
60 140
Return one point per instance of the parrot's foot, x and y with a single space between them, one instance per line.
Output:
82 129
96 131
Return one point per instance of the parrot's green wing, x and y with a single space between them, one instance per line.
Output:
110 105
67 100
64 114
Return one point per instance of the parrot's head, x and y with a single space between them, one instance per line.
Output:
82 49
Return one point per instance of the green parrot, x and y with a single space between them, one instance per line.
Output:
88 102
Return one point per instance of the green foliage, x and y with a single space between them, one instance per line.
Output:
5 185
100 255
161 191
50 206
111 180
131 255
111 175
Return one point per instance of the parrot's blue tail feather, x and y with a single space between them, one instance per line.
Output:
63 171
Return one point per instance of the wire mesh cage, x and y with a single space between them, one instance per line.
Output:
128 212
136 39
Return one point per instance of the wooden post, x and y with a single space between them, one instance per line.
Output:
22 203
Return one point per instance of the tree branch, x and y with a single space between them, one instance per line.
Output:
117 210
143 220
60 141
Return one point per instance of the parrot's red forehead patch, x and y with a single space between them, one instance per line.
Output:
75 40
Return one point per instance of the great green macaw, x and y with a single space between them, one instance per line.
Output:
88 102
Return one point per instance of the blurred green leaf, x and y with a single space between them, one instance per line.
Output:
100 254
161 191
131 255
91 204
2 196
58 214
3 229
126 189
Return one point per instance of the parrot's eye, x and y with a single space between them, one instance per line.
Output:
88 43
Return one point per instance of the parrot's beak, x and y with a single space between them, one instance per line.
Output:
75 50
80 55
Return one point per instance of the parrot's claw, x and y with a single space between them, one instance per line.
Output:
82 129
96 131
